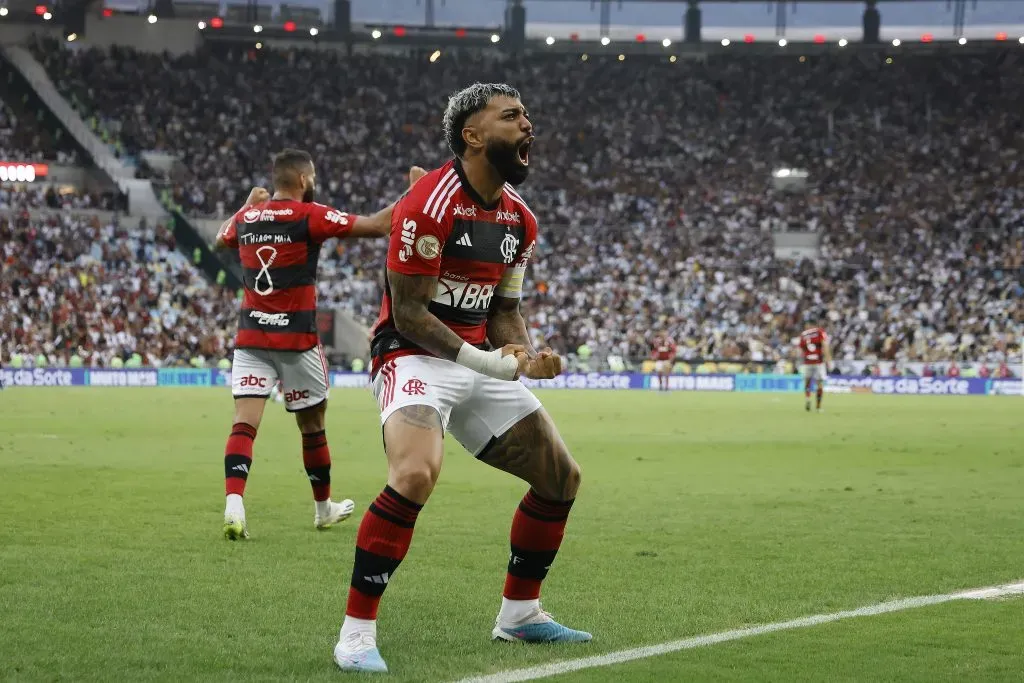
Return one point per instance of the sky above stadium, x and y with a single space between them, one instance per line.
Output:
807 15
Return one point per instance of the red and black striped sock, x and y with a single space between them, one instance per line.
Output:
238 457
316 458
381 544
537 530
821 390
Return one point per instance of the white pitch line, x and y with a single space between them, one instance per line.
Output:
556 668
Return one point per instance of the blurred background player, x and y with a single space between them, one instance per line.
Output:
663 352
817 357
278 239
458 253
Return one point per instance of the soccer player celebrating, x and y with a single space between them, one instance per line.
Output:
664 354
278 239
460 243
817 356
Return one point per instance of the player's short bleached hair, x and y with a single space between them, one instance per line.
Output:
464 104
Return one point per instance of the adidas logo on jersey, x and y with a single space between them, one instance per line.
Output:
465 241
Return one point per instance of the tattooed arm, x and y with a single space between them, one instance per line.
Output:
410 297
505 325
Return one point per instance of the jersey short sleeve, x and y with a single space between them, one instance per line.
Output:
326 222
230 235
417 239
511 285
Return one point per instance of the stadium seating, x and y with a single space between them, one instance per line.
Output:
75 289
652 181
23 141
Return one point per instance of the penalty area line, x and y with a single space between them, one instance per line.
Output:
620 656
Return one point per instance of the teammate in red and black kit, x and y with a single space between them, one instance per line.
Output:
460 244
817 356
663 352
278 240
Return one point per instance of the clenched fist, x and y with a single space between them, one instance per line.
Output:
257 196
545 365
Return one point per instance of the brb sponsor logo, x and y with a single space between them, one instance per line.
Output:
297 395
513 217
264 215
252 382
270 319
461 211
465 295
415 387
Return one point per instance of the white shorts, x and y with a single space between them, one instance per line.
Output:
662 366
473 407
303 376
814 372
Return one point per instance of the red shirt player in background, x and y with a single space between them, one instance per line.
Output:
663 352
817 356
278 241
460 244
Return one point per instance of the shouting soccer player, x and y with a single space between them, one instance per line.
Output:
817 356
278 239
460 243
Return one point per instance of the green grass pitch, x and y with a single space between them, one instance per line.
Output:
698 513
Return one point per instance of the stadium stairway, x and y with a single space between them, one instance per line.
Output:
141 197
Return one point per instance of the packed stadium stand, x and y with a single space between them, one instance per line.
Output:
652 181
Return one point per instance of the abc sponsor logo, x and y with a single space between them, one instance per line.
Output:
252 381
297 395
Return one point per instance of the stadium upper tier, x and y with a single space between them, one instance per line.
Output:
23 141
652 181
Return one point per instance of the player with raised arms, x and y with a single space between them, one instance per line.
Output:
278 241
448 348
817 356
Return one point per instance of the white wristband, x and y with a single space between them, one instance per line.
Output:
490 363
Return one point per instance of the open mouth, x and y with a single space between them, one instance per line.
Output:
524 151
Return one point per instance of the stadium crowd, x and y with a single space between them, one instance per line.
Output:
76 290
23 141
652 181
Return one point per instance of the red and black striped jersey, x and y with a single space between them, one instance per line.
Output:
812 343
278 243
664 349
443 228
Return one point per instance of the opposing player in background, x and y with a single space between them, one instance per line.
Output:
817 357
278 239
458 253
663 352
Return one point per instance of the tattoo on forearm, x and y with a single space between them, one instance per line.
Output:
411 295
422 417
505 324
